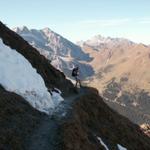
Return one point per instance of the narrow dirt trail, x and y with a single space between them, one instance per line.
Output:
46 137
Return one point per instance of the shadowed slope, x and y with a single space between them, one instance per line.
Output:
51 76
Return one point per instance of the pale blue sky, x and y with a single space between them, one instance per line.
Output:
81 19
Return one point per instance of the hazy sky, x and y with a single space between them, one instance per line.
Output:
81 19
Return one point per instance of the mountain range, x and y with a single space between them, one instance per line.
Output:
62 53
121 69
82 121
117 67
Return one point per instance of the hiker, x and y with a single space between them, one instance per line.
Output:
75 74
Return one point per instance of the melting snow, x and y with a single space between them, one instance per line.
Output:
102 143
17 75
118 145
121 147
56 98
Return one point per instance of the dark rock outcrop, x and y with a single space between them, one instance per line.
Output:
18 120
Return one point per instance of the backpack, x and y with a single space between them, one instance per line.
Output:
74 72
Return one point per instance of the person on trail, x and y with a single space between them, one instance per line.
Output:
75 74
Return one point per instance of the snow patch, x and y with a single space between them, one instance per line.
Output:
102 143
135 104
17 75
121 147
56 97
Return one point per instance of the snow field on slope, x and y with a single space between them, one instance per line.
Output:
121 147
103 144
17 75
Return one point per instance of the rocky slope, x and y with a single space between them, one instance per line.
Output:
92 118
62 53
121 69
17 121
89 119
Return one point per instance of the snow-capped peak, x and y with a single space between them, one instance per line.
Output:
61 52
54 43
22 29
99 41
50 34
47 30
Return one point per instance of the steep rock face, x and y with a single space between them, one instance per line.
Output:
52 42
92 118
51 76
62 53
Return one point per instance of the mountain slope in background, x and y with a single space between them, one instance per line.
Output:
88 120
121 69
111 62
62 53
